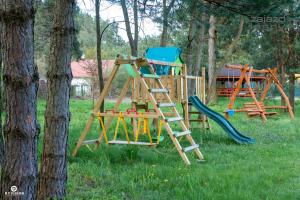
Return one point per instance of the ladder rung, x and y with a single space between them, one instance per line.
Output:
179 134
161 105
159 90
150 76
173 119
190 148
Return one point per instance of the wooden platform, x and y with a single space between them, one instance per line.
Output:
252 114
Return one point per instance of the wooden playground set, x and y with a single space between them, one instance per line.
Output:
154 99
257 107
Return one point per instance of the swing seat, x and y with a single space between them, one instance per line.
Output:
230 112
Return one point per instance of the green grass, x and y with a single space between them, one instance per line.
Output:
268 169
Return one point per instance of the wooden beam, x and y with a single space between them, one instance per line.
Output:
203 85
130 115
267 87
118 103
96 109
286 99
261 71
238 87
247 78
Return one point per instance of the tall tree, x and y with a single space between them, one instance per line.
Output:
133 40
1 107
53 173
212 87
165 24
99 57
20 78
199 49
191 40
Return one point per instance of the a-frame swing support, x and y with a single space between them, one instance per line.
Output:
160 113
246 73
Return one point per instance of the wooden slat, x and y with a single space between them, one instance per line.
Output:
130 115
258 113
131 143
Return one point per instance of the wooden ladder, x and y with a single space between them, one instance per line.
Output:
174 135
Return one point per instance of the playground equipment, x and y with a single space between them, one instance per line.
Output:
156 87
146 88
257 108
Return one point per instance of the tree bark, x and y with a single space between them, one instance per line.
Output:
292 79
136 27
166 12
212 90
53 173
132 41
191 37
199 51
1 107
20 78
99 57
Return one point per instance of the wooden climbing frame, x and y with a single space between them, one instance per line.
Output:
162 92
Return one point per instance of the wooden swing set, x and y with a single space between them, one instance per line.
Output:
257 107
162 92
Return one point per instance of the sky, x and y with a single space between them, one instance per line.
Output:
114 12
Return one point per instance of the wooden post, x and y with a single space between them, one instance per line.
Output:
280 88
237 89
203 85
267 87
247 78
185 97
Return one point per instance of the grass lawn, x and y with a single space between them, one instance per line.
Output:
268 169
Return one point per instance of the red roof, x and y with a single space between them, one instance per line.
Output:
88 68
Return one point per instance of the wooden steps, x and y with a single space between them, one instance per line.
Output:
176 118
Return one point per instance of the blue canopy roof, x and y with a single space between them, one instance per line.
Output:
167 54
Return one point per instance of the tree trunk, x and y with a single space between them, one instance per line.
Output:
164 34
166 12
99 57
53 173
20 78
1 107
191 37
212 90
132 41
191 43
199 51
292 79
136 27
